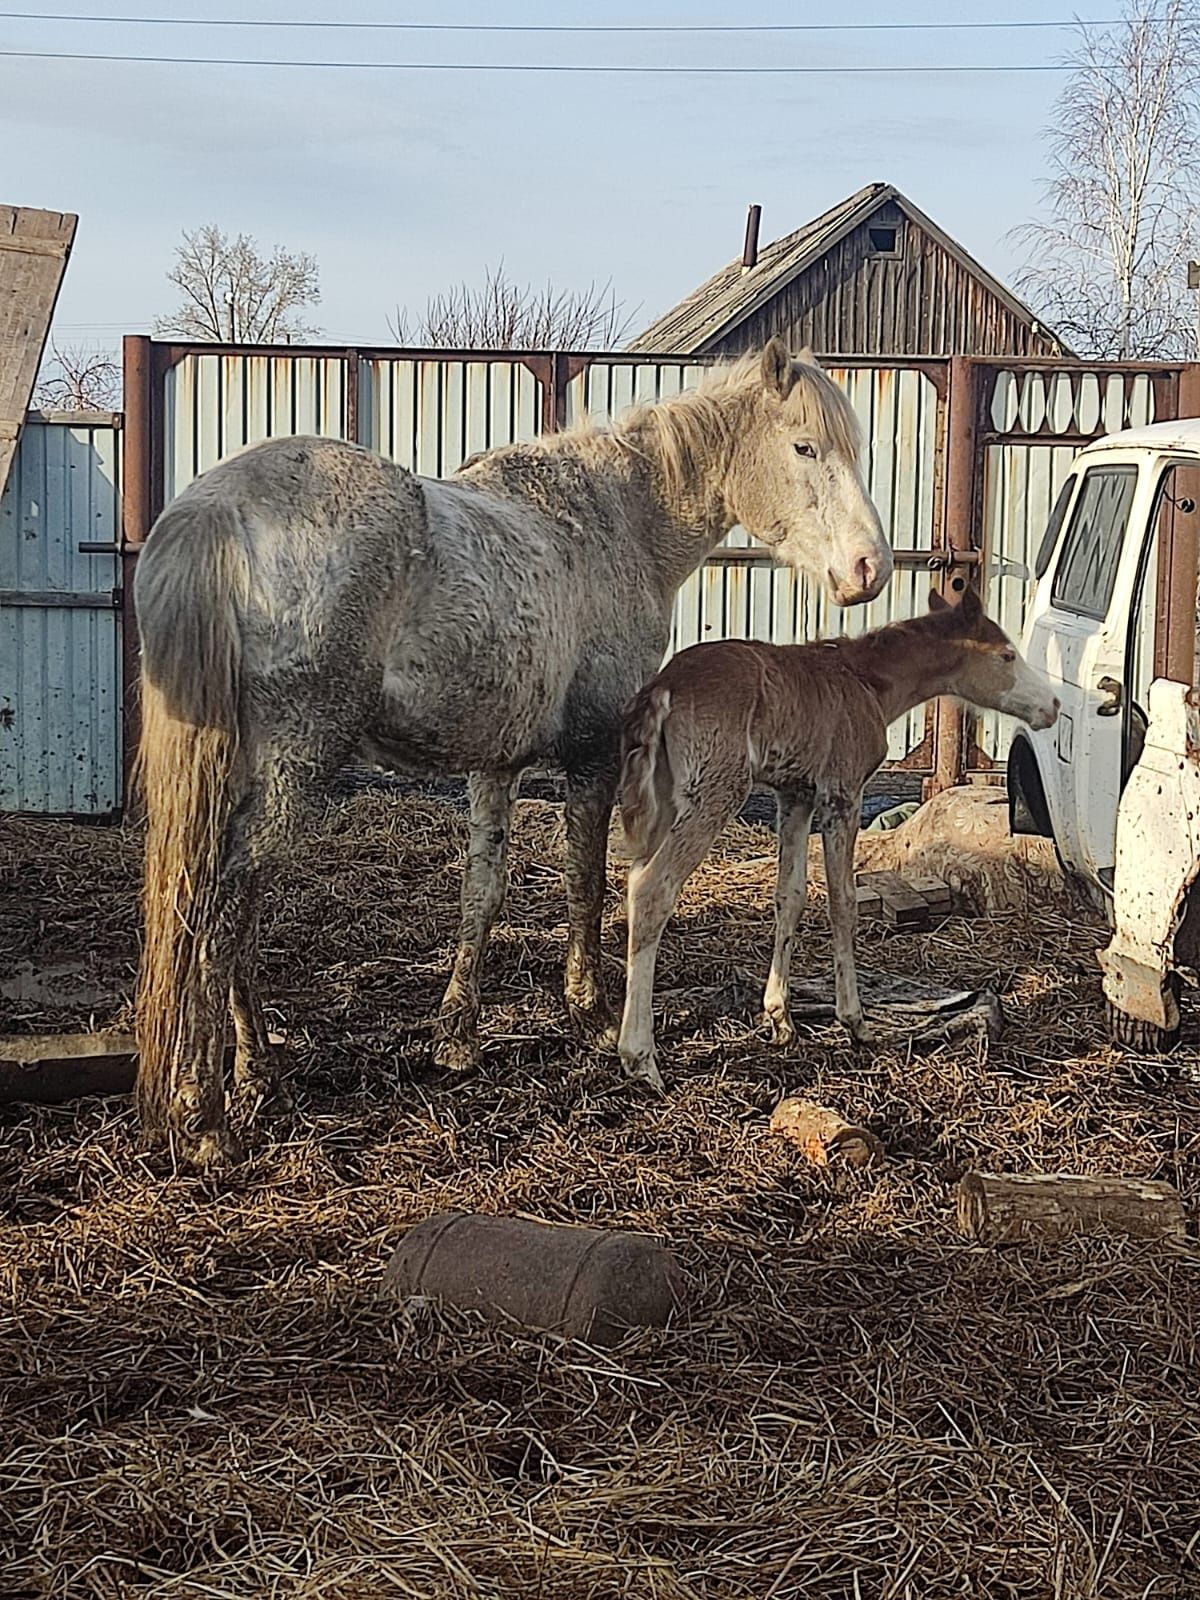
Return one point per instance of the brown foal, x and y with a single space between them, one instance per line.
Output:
809 721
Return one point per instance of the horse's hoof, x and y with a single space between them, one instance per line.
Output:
456 1055
861 1034
253 1097
214 1152
644 1071
597 1029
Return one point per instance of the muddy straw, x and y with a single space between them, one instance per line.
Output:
203 1395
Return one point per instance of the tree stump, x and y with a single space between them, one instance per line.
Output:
997 1208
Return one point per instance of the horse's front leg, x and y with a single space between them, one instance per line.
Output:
588 813
484 883
791 892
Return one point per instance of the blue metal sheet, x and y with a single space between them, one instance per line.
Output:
60 694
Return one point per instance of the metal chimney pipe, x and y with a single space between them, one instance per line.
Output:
750 252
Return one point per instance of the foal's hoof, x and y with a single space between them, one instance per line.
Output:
456 1055
782 1031
644 1071
861 1034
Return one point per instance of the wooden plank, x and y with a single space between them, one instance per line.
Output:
934 892
902 908
52 1068
869 903
34 247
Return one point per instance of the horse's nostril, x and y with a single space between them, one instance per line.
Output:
864 572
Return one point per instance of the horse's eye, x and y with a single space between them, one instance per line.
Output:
808 451
1008 655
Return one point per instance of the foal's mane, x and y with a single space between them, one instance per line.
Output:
689 434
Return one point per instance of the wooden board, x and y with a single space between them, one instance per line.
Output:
34 246
52 1068
902 906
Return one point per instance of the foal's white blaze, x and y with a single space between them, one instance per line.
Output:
1031 696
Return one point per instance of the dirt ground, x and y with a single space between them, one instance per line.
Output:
203 1393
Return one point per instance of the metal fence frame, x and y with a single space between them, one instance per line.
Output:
966 388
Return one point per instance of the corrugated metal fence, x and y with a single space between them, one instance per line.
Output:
60 623
60 671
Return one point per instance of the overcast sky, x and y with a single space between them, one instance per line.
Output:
400 182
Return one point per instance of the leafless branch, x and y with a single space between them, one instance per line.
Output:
503 315
234 294
78 379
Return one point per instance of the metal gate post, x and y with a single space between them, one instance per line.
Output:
959 519
136 517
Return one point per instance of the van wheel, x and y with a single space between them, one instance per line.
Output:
1143 1038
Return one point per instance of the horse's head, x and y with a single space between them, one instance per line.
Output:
988 671
795 482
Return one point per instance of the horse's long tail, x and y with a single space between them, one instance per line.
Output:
191 581
647 806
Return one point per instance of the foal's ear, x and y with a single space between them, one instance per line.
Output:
936 603
777 374
971 607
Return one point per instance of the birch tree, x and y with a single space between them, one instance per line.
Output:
1107 260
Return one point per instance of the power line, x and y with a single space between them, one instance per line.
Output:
546 66
568 28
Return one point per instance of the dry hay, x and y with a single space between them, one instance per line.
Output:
203 1395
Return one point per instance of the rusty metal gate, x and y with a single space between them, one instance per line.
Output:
963 457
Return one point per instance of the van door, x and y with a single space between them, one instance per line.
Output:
1079 640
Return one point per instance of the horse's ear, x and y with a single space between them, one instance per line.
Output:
777 374
806 358
936 603
971 607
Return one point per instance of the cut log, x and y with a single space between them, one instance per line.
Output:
997 1208
50 1069
823 1134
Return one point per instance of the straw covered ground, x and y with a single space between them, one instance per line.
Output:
204 1394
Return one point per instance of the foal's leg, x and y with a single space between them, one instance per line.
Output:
483 887
795 820
653 889
838 840
588 813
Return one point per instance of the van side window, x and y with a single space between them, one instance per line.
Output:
1045 552
1087 568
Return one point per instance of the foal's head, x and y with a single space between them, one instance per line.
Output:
795 482
986 670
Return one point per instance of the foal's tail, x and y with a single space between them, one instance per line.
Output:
647 804
191 580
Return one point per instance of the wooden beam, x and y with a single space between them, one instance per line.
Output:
34 246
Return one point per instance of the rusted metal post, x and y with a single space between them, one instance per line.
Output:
1175 612
950 753
137 514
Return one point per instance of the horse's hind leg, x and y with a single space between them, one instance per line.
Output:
485 880
795 820
588 813
255 1065
838 831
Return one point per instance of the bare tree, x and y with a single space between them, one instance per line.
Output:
503 315
234 294
1108 260
77 379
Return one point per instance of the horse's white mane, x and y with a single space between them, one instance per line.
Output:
687 434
